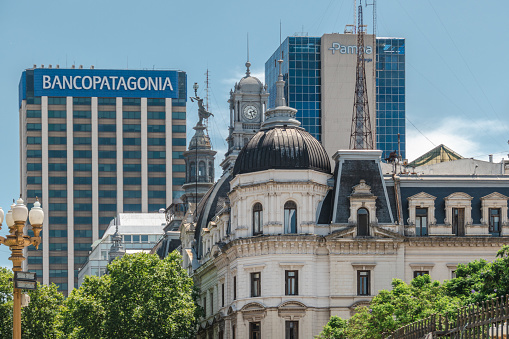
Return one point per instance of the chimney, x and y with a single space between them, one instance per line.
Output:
92 67
58 66
491 157
81 66
42 66
49 66
35 66
73 66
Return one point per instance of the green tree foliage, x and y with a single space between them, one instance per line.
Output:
38 319
480 280
335 329
142 297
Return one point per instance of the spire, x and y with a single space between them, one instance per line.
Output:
280 87
116 249
248 64
281 115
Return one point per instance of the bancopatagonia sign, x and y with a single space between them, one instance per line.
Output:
343 49
105 83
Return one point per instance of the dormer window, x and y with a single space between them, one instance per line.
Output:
421 212
290 217
362 222
362 208
494 212
458 212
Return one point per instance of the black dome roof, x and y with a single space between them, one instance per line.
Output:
282 148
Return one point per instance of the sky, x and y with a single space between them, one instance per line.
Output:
456 78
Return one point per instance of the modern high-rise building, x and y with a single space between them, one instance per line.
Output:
320 84
95 143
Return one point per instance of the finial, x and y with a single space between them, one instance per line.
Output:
248 72
280 76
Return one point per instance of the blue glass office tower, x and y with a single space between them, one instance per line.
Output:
390 94
302 68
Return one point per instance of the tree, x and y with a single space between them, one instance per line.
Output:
141 297
38 319
335 329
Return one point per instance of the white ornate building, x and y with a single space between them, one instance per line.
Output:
282 242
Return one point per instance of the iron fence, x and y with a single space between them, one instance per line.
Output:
488 319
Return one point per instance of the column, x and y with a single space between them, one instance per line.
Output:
144 162
168 110
70 194
120 158
95 171
45 190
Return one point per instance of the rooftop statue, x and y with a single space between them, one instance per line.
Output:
202 112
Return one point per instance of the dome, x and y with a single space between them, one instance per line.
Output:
249 84
282 148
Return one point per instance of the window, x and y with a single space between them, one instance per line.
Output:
132 141
155 115
131 115
132 181
81 101
291 282
34 140
132 167
33 127
159 142
257 218
420 273
458 221
131 101
57 180
81 153
421 222
160 181
34 180
33 113
57 154
57 127
255 330
107 141
132 154
177 181
235 288
178 115
107 154
131 128
82 140
57 167
107 101
82 128
157 194
57 140
82 180
31 166
156 128
177 155
82 193
107 114
222 295
363 279
158 167
81 114
205 304
256 286
107 194
494 226
290 217
178 128
156 155
34 153
107 181
178 141
56 114
107 128
291 330
156 102
362 222
107 207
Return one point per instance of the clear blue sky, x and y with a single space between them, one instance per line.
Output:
455 58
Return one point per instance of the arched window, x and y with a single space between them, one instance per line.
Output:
257 218
211 172
290 217
362 222
201 171
192 172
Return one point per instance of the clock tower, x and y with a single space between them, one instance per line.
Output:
248 102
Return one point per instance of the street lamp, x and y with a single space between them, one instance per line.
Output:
16 240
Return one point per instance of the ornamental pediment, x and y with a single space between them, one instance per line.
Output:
458 196
377 232
362 189
422 196
495 196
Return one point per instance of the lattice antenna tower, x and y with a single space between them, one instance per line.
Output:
361 136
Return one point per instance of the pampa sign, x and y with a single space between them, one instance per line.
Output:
105 83
343 49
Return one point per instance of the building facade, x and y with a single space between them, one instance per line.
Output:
136 232
320 75
283 241
95 143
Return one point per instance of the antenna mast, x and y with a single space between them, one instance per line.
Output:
207 97
361 136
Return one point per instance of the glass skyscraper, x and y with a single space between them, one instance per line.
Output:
302 68
390 94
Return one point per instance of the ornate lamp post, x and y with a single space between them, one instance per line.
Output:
16 240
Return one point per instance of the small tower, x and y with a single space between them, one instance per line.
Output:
248 101
116 249
199 160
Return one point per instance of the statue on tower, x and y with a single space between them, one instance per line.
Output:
202 112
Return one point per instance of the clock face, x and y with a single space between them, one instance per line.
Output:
250 112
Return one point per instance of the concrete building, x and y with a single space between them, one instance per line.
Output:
95 143
283 241
139 232
320 76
